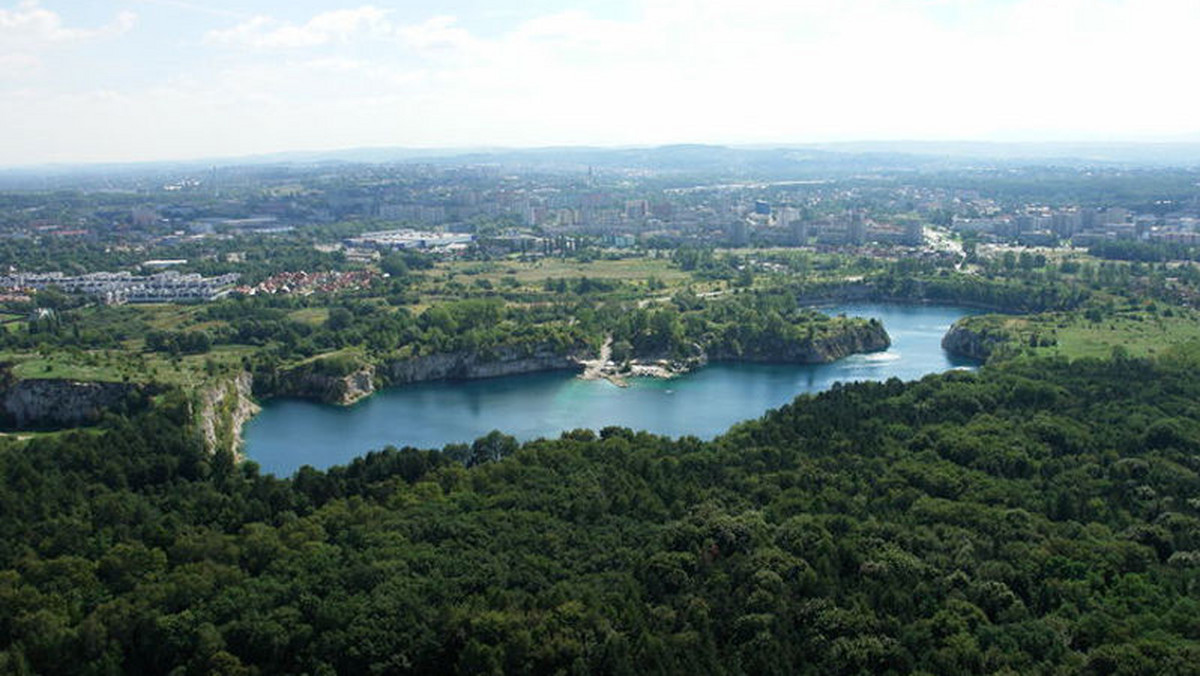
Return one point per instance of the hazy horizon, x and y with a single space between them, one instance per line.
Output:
176 80
1183 153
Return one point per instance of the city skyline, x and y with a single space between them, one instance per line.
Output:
146 80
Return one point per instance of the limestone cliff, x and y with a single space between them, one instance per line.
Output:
332 383
856 339
222 410
852 338
502 361
340 389
52 403
974 343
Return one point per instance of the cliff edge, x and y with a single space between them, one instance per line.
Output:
975 343
223 409
54 403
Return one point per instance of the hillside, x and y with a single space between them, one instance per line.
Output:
1035 519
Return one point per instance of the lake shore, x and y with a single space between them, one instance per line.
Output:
703 402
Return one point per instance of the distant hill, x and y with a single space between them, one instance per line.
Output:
864 155
774 161
1155 154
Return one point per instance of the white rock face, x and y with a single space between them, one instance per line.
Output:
341 390
60 403
502 362
224 409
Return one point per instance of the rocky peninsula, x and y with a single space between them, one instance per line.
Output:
967 338
851 336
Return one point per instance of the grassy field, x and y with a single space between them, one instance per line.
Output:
1139 335
353 352
1074 336
163 316
68 366
131 366
536 272
26 435
11 322
313 316
192 370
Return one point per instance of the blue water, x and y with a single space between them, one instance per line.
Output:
290 433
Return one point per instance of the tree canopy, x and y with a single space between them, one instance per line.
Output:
1038 518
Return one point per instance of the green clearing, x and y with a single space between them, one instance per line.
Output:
132 366
535 272
193 369
26 435
1075 336
313 316
1141 335
351 353
163 316
68 366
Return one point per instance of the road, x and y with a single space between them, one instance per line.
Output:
940 240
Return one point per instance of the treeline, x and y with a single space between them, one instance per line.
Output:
1001 294
758 325
1007 295
1145 252
70 255
178 342
472 324
1038 519
379 334
1155 191
254 257
84 328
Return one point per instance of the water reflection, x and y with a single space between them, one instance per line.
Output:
290 433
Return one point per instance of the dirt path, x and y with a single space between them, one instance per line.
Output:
645 302
593 369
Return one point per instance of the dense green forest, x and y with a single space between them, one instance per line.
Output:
764 325
1132 250
1039 518
581 310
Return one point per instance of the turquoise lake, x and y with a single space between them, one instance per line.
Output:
291 433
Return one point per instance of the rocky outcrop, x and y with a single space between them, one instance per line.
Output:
332 382
852 338
502 361
222 410
347 389
855 339
53 403
964 341
341 390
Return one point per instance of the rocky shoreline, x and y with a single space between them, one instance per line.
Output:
49 402
224 407
342 390
855 339
964 341
56 403
502 361
223 410
619 374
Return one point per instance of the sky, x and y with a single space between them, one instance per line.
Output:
138 80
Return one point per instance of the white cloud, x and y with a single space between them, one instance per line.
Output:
249 32
325 28
676 70
29 30
439 32
18 62
31 25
